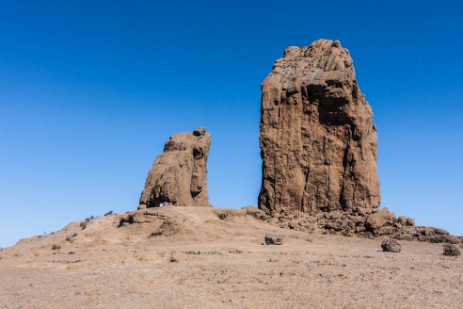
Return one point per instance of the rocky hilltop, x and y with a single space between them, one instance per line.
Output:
179 175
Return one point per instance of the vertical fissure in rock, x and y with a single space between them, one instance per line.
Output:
320 155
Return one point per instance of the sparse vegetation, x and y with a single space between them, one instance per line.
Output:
108 213
450 250
192 252
83 224
55 247
235 251
214 252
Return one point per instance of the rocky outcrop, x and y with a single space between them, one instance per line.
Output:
375 223
179 175
316 134
319 150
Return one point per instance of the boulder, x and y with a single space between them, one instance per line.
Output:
317 138
391 245
273 240
451 250
379 219
179 175
406 221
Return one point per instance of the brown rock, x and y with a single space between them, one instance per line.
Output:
179 175
273 240
391 245
379 219
410 222
406 221
450 250
402 220
316 134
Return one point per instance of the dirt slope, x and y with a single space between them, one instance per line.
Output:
190 257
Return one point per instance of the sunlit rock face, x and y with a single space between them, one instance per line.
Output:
318 142
179 175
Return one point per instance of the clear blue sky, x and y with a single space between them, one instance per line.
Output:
91 90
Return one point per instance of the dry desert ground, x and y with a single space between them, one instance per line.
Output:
194 257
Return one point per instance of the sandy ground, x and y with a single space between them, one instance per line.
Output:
220 263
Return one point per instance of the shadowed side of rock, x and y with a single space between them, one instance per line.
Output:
179 175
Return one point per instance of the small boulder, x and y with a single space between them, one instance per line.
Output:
410 222
406 221
199 131
273 240
391 245
450 250
379 219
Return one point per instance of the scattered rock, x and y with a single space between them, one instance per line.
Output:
406 221
256 213
316 134
379 219
391 245
108 213
273 240
223 215
179 176
451 250
163 225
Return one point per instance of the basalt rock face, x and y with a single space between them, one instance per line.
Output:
179 175
316 134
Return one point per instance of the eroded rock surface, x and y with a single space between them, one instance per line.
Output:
319 149
179 175
316 134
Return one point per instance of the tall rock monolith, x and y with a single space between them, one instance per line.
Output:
317 138
179 175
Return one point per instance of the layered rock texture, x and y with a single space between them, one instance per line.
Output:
316 134
179 175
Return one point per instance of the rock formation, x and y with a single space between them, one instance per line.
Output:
179 175
319 149
316 134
